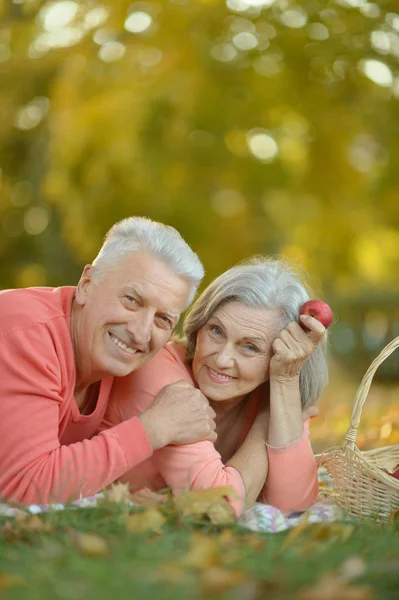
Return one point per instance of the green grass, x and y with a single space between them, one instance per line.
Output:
188 560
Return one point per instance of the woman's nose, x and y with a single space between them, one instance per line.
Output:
225 356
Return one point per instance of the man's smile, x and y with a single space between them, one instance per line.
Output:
122 345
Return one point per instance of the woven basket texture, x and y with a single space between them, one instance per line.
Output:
361 485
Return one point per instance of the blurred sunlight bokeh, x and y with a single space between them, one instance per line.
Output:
252 126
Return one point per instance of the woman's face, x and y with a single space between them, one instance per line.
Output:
233 350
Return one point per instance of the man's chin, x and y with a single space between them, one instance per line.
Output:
121 369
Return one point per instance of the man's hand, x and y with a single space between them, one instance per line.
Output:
180 414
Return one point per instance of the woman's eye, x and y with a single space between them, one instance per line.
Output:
215 329
251 348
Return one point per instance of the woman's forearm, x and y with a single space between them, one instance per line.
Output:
251 460
292 478
286 420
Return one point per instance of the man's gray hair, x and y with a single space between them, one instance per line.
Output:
262 283
139 234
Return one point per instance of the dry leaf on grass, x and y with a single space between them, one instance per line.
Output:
330 587
171 573
221 513
352 568
203 552
89 544
254 541
150 520
334 531
316 533
32 523
22 525
118 493
147 497
7 581
219 580
207 503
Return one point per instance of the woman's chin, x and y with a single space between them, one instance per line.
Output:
216 393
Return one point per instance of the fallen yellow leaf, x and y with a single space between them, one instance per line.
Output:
218 580
208 503
23 524
352 568
171 573
32 522
150 519
7 581
330 587
254 541
221 513
203 552
89 544
331 531
147 497
118 493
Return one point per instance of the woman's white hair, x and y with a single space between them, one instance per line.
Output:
262 283
139 234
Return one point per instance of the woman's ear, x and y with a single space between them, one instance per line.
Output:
83 287
310 412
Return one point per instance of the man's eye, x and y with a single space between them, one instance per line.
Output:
131 298
166 321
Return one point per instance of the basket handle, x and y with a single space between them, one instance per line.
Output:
362 393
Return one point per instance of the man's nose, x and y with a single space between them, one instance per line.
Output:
140 327
225 356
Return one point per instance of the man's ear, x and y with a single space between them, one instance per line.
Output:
84 284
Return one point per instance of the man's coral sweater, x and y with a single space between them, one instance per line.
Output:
48 450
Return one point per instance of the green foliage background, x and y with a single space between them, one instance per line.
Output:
99 122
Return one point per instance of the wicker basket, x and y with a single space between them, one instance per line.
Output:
360 486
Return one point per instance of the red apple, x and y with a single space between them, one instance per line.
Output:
319 310
395 472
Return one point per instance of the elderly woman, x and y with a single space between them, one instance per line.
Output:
261 372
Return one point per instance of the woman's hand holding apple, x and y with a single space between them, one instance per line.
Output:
293 347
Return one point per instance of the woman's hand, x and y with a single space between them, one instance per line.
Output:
293 347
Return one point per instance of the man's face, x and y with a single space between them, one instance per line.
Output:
127 314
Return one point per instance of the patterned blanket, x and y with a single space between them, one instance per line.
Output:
261 517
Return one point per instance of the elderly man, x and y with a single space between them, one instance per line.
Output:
64 352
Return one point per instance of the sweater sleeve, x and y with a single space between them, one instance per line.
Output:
34 466
292 482
199 466
194 466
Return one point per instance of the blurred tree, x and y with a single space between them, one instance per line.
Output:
250 125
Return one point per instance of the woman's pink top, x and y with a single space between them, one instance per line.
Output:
291 483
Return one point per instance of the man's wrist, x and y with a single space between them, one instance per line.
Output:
153 429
